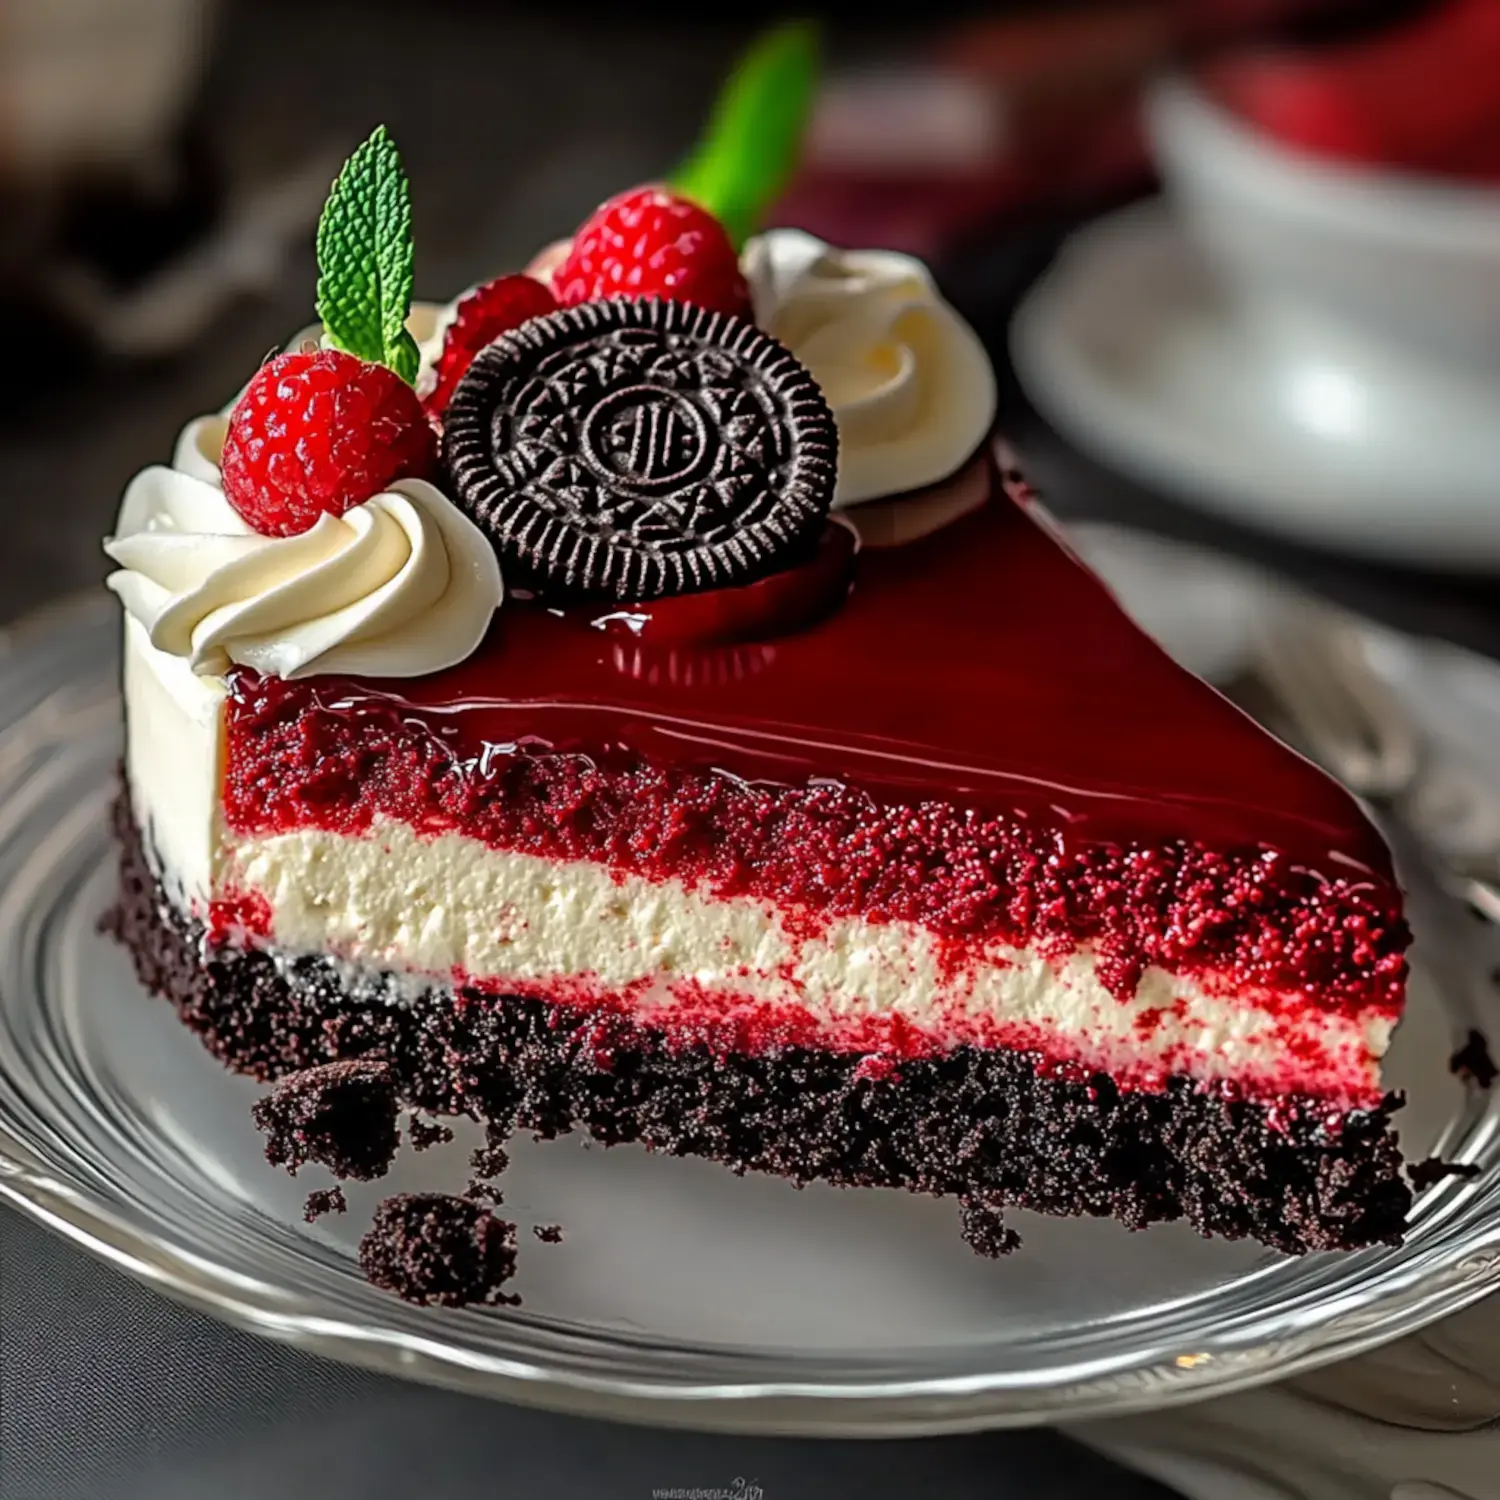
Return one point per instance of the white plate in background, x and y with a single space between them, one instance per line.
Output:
1262 410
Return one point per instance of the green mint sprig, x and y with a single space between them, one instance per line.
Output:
365 258
754 137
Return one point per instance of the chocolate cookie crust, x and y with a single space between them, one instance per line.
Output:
982 1126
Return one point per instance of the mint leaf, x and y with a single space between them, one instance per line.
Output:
754 136
365 258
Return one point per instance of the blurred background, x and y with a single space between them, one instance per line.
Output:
162 163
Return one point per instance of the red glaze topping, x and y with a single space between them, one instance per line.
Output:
771 606
978 740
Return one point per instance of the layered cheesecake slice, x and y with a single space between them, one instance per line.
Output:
966 888
639 699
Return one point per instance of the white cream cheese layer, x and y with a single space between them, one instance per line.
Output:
449 905
174 764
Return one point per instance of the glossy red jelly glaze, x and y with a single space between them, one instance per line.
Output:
769 607
979 740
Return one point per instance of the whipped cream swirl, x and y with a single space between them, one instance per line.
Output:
402 585
910 384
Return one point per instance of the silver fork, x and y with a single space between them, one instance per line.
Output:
1339 711
1344 716
1327 700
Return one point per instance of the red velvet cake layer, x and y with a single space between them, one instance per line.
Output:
1254 919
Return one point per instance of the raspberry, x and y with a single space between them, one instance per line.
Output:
484 314
651 243
321 432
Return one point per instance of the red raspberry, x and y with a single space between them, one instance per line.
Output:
484 314
319 432
651 243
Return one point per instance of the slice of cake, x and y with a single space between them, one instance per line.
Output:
801 802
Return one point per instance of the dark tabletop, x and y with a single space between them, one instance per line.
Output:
106 1388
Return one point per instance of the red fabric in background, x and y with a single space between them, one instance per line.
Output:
1423 96
1065 134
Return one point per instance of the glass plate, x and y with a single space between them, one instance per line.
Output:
680 1293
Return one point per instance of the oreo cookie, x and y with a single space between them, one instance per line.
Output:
630 450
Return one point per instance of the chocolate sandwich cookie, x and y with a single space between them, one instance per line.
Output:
634 449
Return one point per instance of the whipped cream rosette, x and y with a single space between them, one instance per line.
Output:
400 585
910 384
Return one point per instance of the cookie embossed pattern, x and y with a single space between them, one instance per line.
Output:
629 450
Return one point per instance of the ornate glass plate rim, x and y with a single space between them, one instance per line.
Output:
58 704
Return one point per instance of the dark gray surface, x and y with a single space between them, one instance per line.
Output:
110 1392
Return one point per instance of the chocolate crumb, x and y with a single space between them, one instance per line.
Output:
491 1159
484 1192
427 1133
1423 1174
983 1228
341 1114
433 1248
548 1234
1473 1063
325 1201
